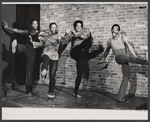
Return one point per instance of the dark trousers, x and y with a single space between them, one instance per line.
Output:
4 65
80 54
29 52
124 59
61 48
52 71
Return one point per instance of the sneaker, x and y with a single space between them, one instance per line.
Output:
14 46
76 95
29 94
51 96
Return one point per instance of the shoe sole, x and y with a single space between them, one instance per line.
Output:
51 96
125 101
14 45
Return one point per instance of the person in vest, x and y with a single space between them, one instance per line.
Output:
27 49
118 44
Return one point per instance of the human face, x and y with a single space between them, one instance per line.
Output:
115 31
34 25
78 27
53 28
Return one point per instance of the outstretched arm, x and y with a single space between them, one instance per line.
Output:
67 38
36 44
125 39
5 24
44 32
105 54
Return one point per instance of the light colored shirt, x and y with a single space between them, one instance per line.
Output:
117 45
51 46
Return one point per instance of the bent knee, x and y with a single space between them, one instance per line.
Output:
125 79
121 59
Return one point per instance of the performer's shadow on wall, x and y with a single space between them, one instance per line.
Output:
136 69
104 74
69 69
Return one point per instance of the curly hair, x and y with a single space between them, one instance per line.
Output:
78 21
52 24
114 26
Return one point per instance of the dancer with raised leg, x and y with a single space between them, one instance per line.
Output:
81 41
118 44
27 50
50 55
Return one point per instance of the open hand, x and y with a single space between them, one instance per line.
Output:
40 38
30 39
68 30
35 45
5 24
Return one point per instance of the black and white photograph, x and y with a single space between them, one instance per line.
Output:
74 60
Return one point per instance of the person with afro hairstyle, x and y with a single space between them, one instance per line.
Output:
81 41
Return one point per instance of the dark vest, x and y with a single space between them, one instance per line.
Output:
34 38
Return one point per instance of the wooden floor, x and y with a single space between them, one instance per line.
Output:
65 99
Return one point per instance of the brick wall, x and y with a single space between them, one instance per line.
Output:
133 19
